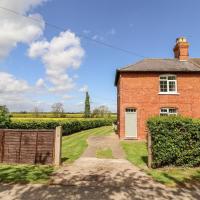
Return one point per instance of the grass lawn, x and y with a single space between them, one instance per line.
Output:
104 153
25 173
136 153
74 145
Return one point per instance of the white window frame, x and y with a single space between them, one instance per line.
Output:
130 110
168 113
166 76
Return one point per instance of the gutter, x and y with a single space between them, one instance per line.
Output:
116 77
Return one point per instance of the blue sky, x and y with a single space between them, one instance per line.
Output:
29 71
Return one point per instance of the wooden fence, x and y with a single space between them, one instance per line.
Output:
30 146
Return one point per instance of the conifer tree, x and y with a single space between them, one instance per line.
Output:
87 105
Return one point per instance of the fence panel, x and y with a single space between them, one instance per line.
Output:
45 148
11 146
27 146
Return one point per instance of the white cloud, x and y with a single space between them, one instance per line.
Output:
86 32
40 83
80 104
97 37
75 76
67 97
13 92
93 35
21 6
9 84
16 102
112 31
62 53
58 55
17 29
84 88
23 103
18 95
38 49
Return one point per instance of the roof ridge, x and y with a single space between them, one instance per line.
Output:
196 64
159 59
131 64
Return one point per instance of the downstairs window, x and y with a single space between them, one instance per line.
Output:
168 111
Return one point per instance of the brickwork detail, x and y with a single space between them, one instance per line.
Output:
141 91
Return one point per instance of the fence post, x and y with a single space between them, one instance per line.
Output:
58 146
149 150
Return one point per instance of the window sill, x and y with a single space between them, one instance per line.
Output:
168 93
130 138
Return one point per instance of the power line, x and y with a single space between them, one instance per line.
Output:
80 35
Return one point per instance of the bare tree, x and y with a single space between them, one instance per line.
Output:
57 109
101 111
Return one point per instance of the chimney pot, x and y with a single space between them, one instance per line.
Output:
181 49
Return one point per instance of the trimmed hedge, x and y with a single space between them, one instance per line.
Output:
175 141
69 127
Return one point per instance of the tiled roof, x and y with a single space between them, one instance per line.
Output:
152 65
161 65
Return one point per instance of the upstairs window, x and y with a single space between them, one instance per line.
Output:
168 111
168 84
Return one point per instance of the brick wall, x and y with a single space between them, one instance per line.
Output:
27 146
140 90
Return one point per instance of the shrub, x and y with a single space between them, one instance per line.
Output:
175 141
4 117
69 126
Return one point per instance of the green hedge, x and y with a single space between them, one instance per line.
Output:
69 127
175 141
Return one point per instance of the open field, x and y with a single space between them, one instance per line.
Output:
56 119
26 119
47 115
136 153
50 115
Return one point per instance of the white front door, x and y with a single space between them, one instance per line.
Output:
131 123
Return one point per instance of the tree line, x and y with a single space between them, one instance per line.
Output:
57 110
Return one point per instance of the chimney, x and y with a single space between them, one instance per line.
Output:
181 49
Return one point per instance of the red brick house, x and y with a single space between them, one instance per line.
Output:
157 87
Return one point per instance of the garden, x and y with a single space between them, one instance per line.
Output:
73 144
174 150
136 153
